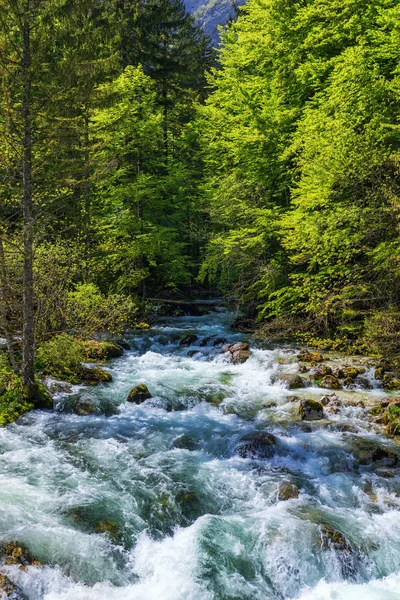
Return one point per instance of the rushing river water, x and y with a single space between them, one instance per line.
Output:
154 502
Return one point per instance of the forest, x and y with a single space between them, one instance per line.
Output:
137 162
199 300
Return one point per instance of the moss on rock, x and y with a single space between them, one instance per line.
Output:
99 351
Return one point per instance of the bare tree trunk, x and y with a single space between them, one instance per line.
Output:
4 307
87 196
28 340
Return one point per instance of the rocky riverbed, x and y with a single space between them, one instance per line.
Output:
209 468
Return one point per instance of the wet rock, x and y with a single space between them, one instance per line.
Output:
331 383
342 428
95 376
206 341
184 442
386 473
84 407
307 356
292 398
58 387
288 491
379 373
123 344
139 394
320 371
219 341
98 350
311 410
188 340
332 539
352 372
328 398
108 527
270 404
240 352
302 369
257 445
338 373
292 381
191 353
240 356
8 589
17 554
392 383
386 457
239 346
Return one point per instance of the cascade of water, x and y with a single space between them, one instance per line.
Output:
182 498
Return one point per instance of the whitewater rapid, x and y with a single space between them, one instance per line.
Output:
153 502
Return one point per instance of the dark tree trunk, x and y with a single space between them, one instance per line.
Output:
87 195
4 308
28 340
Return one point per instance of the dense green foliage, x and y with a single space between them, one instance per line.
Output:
271 176
301 142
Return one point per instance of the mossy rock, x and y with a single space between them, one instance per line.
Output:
93 376
188 340
109 528
139 394
17 554
257 445
7 588
320 371
330 382
288 491
312 357
292 381
379 373
392 384
311 410
99 351
352 372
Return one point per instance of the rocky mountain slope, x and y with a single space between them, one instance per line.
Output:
213 13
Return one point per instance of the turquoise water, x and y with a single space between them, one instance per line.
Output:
153 502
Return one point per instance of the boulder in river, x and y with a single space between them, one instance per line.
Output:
338 372
292 381
17 554
188 340
320 371
392 383
219 341
330 382
109 528
139 394
206 341
313 357
332 539
311 410
259 444
288 491
379 373
94 376
240 352
99 350
84 407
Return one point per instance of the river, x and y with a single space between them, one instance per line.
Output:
154 501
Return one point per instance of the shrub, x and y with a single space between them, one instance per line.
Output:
89 311
61 357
